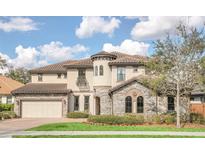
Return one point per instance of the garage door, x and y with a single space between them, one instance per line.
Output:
41 109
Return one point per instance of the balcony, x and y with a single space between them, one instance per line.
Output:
82 83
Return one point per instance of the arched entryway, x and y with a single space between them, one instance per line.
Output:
128 104
140 104
97 105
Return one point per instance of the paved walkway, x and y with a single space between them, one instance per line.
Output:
10 134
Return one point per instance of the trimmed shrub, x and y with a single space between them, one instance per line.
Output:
169 119
161 118
197 118
157 119
7 115
114 120
6 107
77 115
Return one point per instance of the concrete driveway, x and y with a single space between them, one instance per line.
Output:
25 123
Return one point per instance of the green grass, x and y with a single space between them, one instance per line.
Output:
105 136
88 127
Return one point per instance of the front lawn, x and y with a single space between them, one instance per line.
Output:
105 136
89 127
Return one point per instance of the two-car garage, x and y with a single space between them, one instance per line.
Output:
41 109
42 100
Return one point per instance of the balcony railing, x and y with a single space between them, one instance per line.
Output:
82 83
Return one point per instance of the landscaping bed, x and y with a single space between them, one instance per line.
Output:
77 115
6 111
7 115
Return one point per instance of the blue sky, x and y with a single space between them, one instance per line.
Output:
37 41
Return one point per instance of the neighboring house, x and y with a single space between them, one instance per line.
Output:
6 86
198 100
105 83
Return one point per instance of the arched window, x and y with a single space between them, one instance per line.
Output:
140 104
170 105
96 70
128 104
101 70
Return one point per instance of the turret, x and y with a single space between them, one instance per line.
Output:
102 74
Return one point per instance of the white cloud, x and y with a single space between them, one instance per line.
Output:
26 57
157 27
42 55
128 46
141 18
17 24
91 25
55 51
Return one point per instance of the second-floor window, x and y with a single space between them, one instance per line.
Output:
81 73
120 73
40 77
101 70
96 70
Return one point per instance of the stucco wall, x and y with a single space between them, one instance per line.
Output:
72 78
129 73
105 79
81 101
49 78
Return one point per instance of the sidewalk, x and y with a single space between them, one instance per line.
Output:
10 134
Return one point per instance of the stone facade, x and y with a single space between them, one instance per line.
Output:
135 90
105 100
152 104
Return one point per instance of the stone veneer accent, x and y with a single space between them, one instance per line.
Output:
105 100
135 90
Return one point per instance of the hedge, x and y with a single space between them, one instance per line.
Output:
111 119
7 115
6 107
77 115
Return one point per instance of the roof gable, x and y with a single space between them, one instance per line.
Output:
126 83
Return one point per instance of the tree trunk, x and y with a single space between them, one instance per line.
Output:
156 105
178 106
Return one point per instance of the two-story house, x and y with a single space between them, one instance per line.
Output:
105 83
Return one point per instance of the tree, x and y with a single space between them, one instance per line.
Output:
2 63
19 74
177 58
